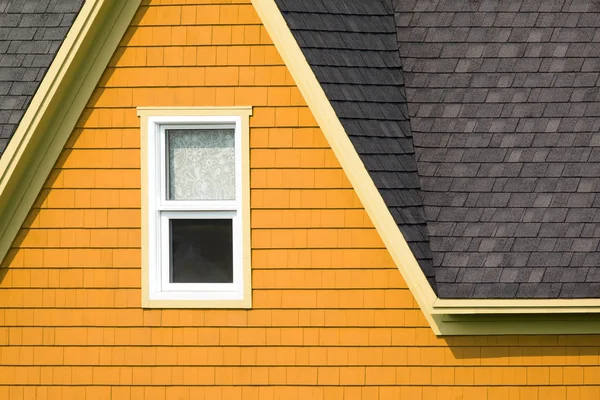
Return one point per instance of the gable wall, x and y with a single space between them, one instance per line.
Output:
331 316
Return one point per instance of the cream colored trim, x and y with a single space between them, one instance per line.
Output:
145 221
513 306
245 303
435 310
346 154
145 112
244 112
56 107
246 239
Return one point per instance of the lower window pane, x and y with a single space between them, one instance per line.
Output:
201 251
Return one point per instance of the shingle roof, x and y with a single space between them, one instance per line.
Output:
504 105
503 108
352 48
31 32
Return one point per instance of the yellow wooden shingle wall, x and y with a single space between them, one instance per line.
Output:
332 318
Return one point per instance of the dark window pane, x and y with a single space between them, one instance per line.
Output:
201 250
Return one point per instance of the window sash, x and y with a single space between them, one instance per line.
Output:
162 209
164 202
163 273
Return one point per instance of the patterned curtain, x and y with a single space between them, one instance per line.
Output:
201 164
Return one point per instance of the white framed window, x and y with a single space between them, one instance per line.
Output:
195 207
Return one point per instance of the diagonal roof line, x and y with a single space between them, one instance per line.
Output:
354 56
56 107
30 39
438 312
346 154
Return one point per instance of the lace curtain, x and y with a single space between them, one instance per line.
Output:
201 164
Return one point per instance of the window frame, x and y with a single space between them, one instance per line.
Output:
157 210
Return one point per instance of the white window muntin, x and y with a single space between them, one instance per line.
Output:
162 210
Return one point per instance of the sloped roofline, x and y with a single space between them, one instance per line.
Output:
445 316
56 107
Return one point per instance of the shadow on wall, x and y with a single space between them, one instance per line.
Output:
525 350
75 135
33 215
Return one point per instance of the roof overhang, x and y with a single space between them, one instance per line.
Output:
56 107
446 317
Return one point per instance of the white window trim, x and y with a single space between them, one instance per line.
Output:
157 292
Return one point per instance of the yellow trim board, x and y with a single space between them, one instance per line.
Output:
241 111
512 306
346 153
435 310
56 107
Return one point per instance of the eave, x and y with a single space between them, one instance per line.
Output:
446 317
56 107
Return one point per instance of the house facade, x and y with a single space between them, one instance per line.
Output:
327 312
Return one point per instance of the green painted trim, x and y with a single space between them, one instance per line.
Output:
56 107
515 324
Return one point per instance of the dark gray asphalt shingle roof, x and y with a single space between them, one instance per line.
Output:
352 48
504 104
31 32
501 102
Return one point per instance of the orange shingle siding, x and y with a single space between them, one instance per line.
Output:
332 317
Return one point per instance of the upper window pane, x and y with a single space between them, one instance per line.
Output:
201 164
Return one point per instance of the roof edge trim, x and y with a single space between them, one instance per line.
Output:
346 154
514 306
445 316
56 107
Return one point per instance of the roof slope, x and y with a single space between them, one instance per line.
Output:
504 104
31 32
352 49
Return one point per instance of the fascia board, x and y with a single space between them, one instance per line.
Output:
346 154
512 306
56 107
